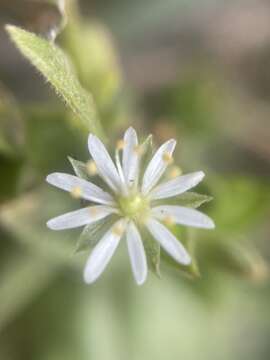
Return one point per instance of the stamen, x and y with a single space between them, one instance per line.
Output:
167 157
120 144
169 220
118 230
174 172
91 168
76 192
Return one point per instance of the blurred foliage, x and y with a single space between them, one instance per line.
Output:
11 144
97 65
46 311
44 127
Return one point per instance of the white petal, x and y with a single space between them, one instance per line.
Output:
157 166
136 254
177 186
104 163
102 253
80 217
88 190
183 215
124 187
130 156
168 241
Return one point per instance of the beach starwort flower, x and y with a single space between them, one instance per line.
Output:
134 200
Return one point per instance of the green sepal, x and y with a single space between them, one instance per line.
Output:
193 199
79 168
93 233
187 199
152 251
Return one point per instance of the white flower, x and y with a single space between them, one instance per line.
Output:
133 200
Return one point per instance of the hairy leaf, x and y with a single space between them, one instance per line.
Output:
51 61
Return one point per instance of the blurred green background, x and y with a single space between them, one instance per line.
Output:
194 70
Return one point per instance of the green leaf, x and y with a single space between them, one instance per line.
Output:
54 65
92 233
79 168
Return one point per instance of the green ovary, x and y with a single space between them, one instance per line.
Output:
135 207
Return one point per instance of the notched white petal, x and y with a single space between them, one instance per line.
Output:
130 156
157 166
104 163
183 215
168 241
103 252
80 217
87 190
177 186
136 254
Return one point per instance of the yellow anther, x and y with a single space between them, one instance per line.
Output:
167 157
174 172
120 144
91 167
76 192
169 220
138 149
118 230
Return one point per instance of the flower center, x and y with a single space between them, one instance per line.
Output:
135 207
